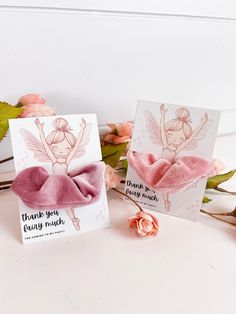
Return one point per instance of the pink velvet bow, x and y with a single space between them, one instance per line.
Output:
167 176
43 191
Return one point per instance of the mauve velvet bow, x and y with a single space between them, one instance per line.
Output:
167 176
43 191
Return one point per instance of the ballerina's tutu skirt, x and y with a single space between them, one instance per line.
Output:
43 191
167 176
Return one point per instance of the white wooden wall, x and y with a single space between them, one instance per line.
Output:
101 56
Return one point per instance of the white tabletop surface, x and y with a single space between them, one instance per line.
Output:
188 268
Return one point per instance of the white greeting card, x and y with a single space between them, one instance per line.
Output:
59 144
171 145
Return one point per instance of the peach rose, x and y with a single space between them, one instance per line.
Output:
115 139
112 178
34 106
36 110
124 129
144 224
120 133
30 99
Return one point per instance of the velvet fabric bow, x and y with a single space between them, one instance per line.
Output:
43 191
167 176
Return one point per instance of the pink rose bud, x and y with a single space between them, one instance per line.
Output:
112 178
144 224
30 99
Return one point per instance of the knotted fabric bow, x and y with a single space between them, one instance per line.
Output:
169 176
43 191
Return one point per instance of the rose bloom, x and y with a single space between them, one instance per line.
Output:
36 110
144 224
218 166
124 129
120 133
112 178
30 99
34 106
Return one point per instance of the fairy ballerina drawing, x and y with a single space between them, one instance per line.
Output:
170 172
62 189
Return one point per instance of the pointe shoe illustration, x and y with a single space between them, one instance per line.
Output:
76 223
167 205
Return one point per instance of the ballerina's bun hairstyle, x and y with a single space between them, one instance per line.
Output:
182 121
62 131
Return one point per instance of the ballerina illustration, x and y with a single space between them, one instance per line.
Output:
172 173
59 148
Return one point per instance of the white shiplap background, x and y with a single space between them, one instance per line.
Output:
101 56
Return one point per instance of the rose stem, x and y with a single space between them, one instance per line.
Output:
224 191
5 188
130 198
6 182
221 214
231 214
213 216
6 159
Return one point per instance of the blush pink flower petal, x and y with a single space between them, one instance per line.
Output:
30 99
112 178
36 110
120 133
125 129
115 139
218 166
144 227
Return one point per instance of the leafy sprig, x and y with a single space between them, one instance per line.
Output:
7 111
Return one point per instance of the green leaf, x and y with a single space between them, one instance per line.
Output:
213 182
206 199
19 105
7 112
125 164
111 153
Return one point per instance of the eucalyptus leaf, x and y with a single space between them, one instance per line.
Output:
7 112
111 153
213 182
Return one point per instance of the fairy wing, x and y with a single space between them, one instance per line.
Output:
34 145
153 128
84 135
199 136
